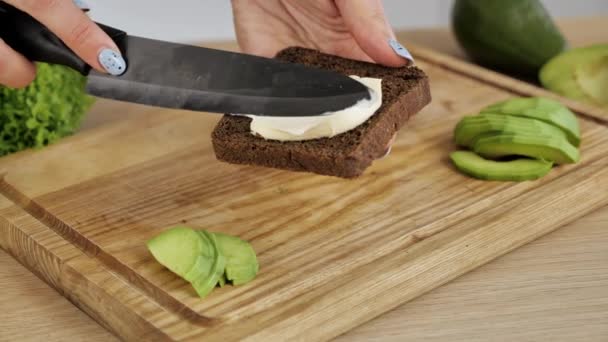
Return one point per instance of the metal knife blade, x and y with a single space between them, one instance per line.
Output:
187 77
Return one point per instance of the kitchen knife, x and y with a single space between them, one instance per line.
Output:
171 75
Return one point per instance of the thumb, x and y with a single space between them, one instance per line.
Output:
368 24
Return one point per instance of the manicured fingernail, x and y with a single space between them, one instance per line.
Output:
112 62
388 152
82 5
400 50
389 146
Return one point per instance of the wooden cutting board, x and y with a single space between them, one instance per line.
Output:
333 253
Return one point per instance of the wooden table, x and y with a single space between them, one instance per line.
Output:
555 288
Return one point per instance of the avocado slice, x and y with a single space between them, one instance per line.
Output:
205 259
554 149
471 127
222 281
515 170
207 281
241 262
203 268
178 249
241 274
539 108
568 74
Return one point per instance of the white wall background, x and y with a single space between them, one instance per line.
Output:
208 20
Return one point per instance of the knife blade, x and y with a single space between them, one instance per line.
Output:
180 76
171 75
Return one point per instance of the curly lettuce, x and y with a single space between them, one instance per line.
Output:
49 109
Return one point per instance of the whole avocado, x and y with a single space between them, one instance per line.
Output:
48 109
512 36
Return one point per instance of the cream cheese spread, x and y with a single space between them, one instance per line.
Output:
325 126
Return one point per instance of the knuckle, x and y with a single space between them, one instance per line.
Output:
38 6
378 16
81 32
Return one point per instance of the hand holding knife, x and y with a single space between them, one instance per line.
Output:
180 76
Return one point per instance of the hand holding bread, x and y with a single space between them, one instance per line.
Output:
350 29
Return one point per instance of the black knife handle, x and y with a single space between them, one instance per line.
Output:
38 44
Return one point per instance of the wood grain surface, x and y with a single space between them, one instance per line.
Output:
34 188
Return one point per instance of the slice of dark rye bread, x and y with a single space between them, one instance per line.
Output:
405 92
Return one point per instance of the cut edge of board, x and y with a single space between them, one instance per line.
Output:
75 238
85 287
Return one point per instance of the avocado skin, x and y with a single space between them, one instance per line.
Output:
543 109
555 149
470 127
559 74
514 36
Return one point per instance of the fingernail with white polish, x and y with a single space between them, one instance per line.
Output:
82 5
112 62
400 50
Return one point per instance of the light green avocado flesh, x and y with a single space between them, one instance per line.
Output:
515 170
178 249
546 110
206 283
555 149
222 281
241 262
205 259
241 274
592 77
568 74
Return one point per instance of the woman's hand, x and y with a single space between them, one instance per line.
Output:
356 29
68 21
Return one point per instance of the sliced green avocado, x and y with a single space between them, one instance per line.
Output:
241 262
516 36
554 149
178 249
203 268
222 281
568 74
207 282
549 111
205 259
515 170
470 127
241 274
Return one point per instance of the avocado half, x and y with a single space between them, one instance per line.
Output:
580 74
